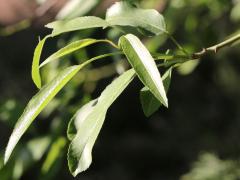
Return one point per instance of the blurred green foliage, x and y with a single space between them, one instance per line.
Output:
210 167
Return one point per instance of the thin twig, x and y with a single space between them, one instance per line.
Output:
176 43
216 47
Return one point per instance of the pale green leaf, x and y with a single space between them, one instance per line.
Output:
78 119
74 46
144 65
37 104
121 14
68 49
88 122
76 8
188 67
79 23
150 103
40 101
36 59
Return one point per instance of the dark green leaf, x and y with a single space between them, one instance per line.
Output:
150 104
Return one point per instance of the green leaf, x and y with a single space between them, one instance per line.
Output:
76 8
121 14
74 46
78 119
88 122
41 99
36 59
37 104
150 104
144 65
79 23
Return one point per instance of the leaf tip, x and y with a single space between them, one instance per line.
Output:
36 79
5 160
165 102
7 153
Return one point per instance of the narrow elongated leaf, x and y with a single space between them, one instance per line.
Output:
36 59
37 104
150 104
76 8
122 14
88 122
74 46
79 23
41 99
144 65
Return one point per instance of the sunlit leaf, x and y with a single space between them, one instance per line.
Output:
36 59
150 103
121 14
41 99
79 23
88 122
78 119
144 65
37 104
68 49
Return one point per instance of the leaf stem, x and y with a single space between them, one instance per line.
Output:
111 43
100 57
176 43
217 47
169 57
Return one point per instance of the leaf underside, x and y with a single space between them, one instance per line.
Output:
84 128
144 65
